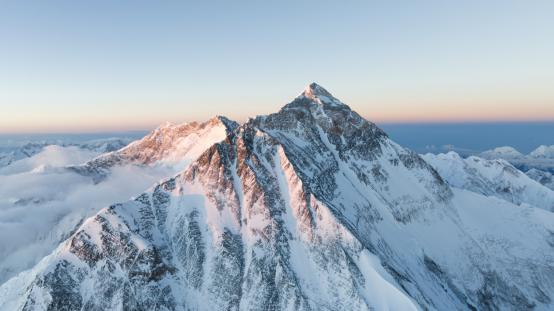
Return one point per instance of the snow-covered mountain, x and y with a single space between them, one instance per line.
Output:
27 150
505 152
169 145
543 152
491 178
544 178
11 155
541 158
43 200
310 208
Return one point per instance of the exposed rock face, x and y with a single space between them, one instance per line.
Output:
310 208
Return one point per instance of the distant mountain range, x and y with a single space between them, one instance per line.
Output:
10 155
541 158
496 178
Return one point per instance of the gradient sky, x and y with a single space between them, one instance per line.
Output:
119 65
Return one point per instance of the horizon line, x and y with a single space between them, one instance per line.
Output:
379 123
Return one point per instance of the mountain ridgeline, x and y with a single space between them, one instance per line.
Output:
309 208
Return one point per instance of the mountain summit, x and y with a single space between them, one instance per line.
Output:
309 208
320 95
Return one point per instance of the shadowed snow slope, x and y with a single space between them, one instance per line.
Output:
310 208
545 178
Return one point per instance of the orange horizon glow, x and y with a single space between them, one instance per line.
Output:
380 114
518 105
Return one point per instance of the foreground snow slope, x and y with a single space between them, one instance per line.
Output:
311 208
491 178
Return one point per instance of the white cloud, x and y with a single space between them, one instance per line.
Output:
53 155
41 202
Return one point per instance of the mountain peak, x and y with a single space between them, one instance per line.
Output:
543 151
228 123
314 89
318 94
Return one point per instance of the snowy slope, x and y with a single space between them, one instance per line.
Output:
491 178
42 201
310 208
172 146
544 178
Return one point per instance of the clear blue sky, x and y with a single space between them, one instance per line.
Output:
110 65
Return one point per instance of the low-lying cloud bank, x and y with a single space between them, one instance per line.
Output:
41 202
